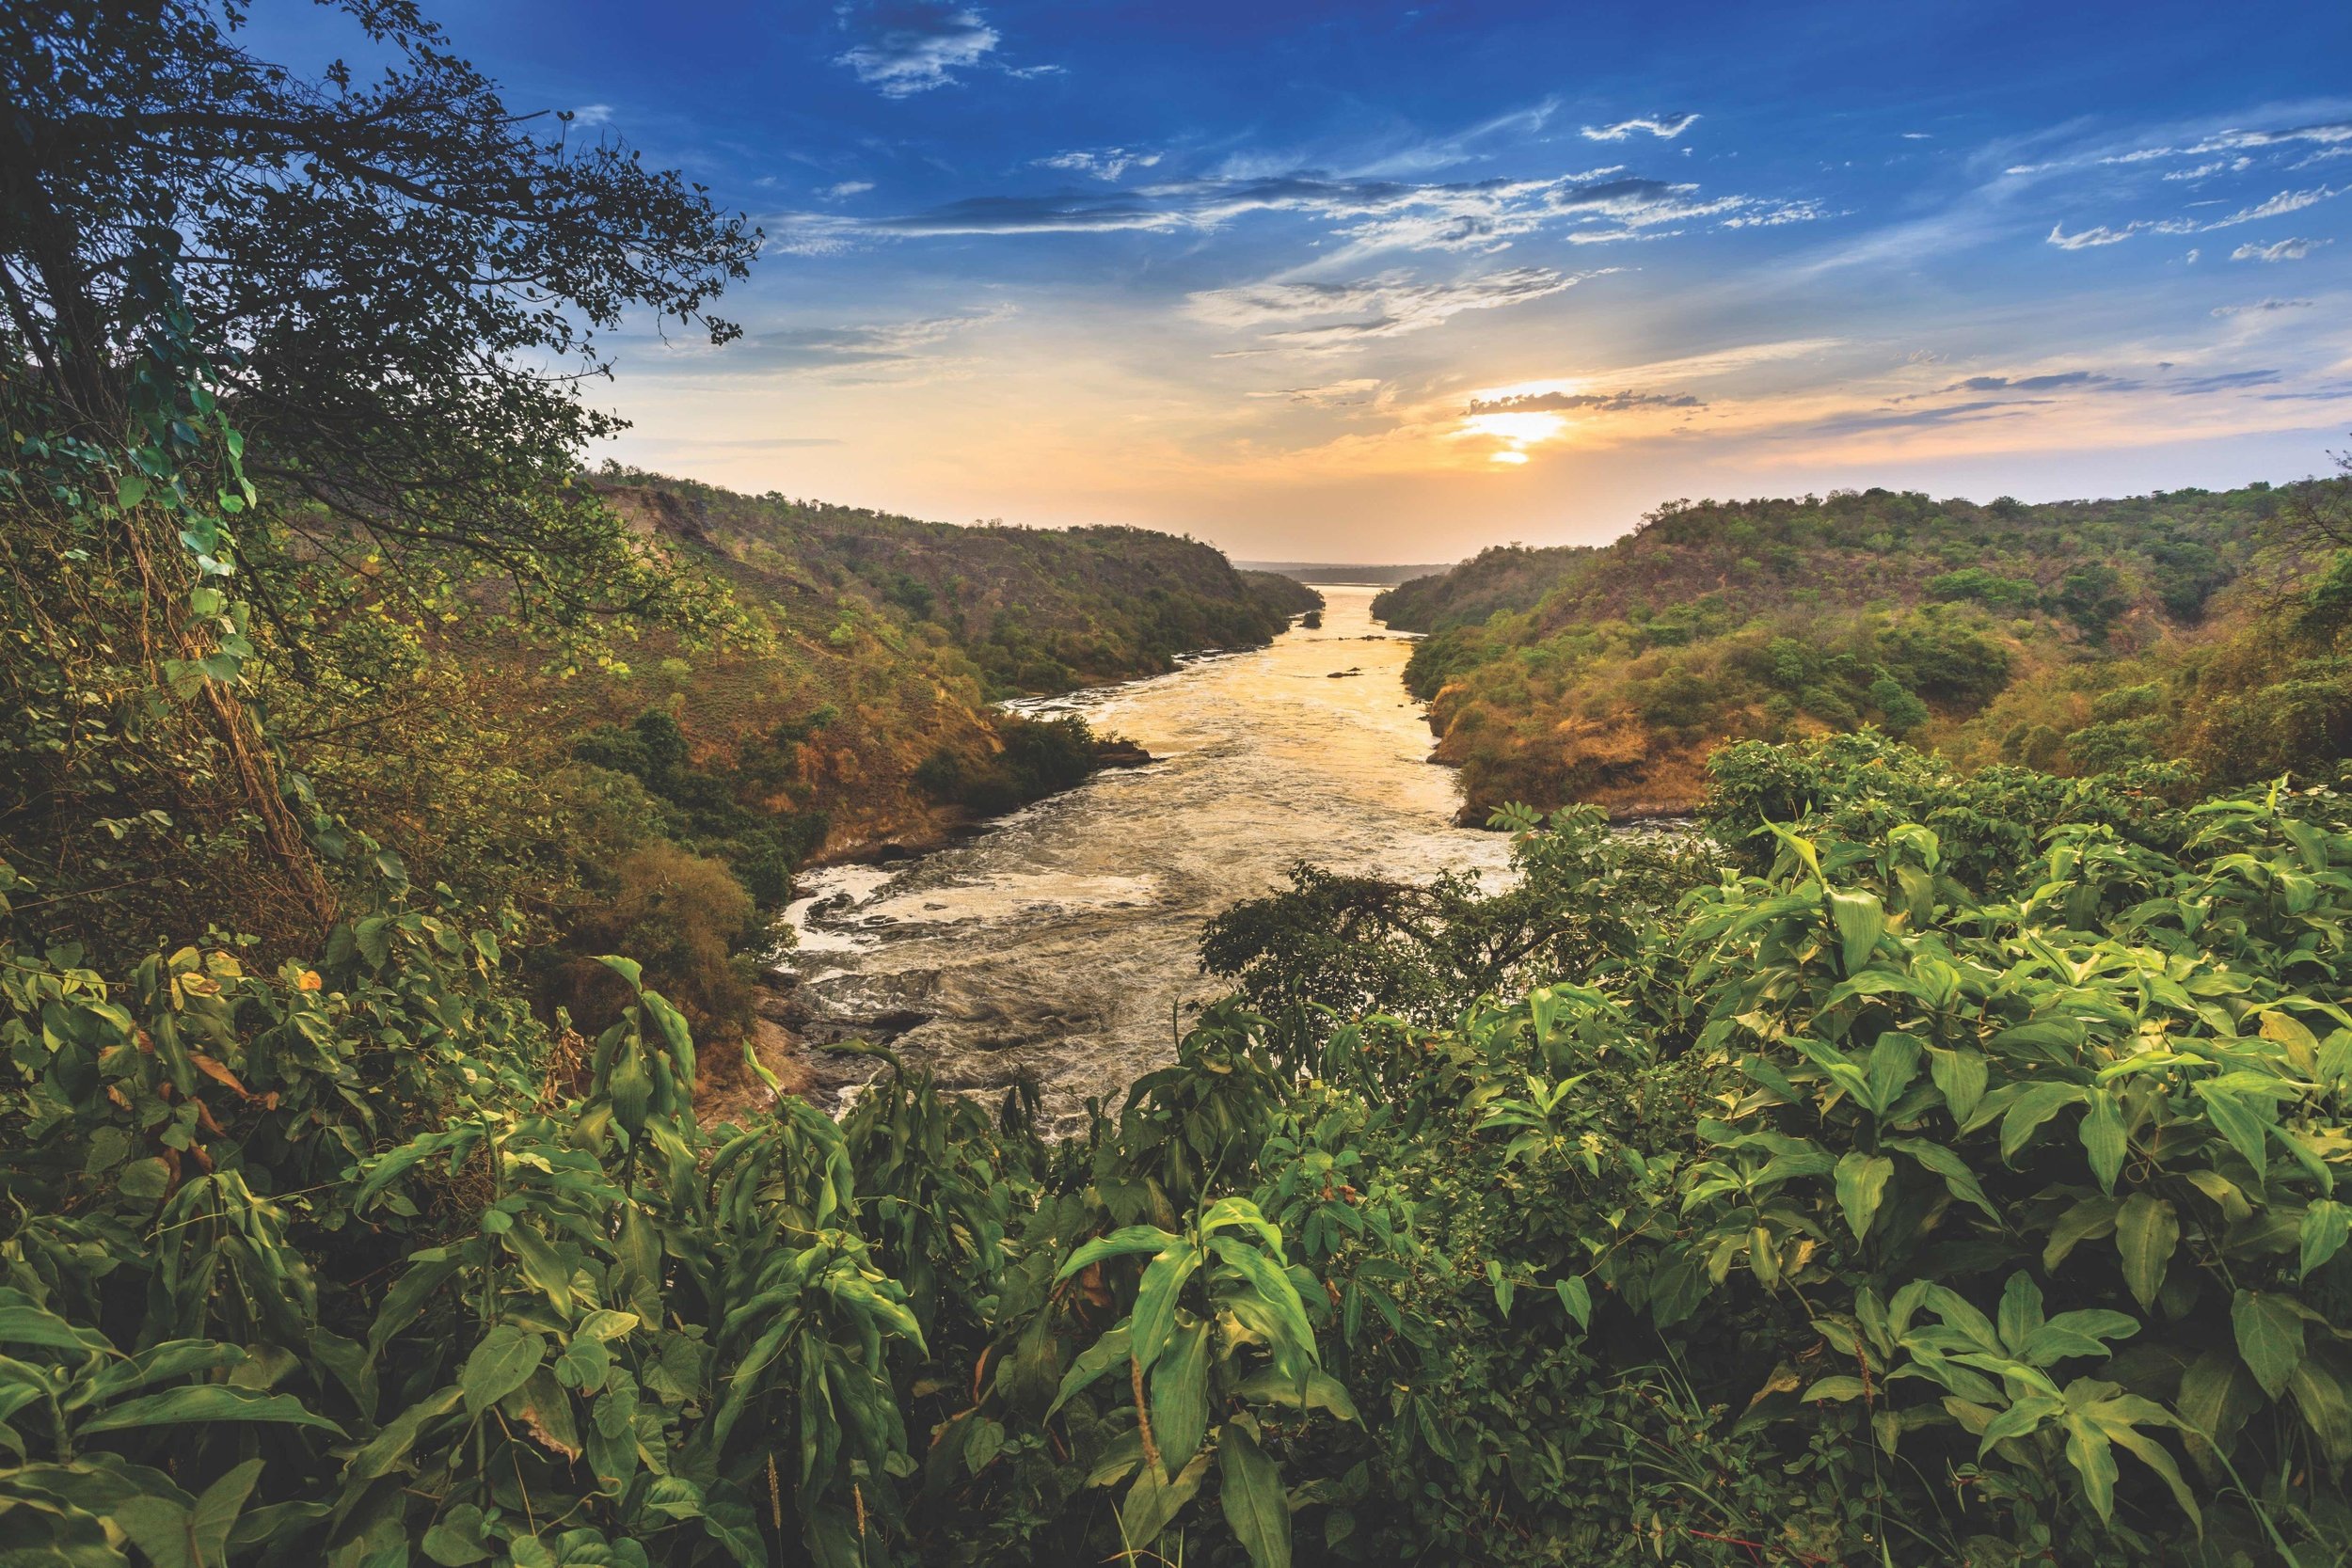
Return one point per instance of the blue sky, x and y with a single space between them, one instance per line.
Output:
1376 282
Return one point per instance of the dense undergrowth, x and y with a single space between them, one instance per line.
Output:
1847 1209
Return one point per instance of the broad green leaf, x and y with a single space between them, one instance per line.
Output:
2245 1127
2020 1312
2269 1337
1255 1505
1110 1350
1958 1178
1577 1298
2093 1458
1861 921
2325 1226
2029 1110
1180 1394
502 1363
206 1402
1124 1242
1961 1074
2147 1230
2324 1400
1861 1183
1154 1500
2102 1135
1155 1300
1894 1062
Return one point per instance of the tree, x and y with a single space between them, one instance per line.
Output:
413 275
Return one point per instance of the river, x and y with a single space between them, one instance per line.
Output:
1057 941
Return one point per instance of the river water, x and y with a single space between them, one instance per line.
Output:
1056 942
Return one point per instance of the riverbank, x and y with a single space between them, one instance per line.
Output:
1059 943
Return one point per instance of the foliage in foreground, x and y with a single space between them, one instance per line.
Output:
1827 1212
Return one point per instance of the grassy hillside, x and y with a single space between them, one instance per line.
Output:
1035 609
1993 632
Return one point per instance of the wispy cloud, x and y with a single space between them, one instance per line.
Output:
2262 306
1377 214
2052 382
909 46
1108 163
2086 239
591 114
2281 250
1353 392
846 189
866 347
1665 127
2279 206
1300 315
1600 403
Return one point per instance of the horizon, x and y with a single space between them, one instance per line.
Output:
1401 283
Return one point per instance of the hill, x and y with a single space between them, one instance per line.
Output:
1995 632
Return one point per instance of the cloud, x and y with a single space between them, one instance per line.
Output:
1391 306
2263 304
2281 250
910 46
855 347
1561 402
2101 235
1919 135
846 187
1665 127
591 114
2050 383
1377 214
2227 381
1108 163
2284 203
1950 413
1331 394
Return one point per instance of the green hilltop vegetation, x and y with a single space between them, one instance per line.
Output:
2077 637
1924 1163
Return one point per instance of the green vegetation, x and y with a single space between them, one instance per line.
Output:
1033 609
2074 636
1925 1167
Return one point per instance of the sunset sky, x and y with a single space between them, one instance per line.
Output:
1379 282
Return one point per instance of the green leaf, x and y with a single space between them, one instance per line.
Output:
1100 1358
2020 1312
1155 1300
1861 921
502 1363
2029 1110
1894 1063
207 1401
1179 1395
2269 1337
2093 1458
1577 1298
217 1510
1275 1290
1119 1244
1153 1500
1861 1183
456 1539
1961 1074
2325 1226
2147 1228
2239 1122
1251 1492
2102 1136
